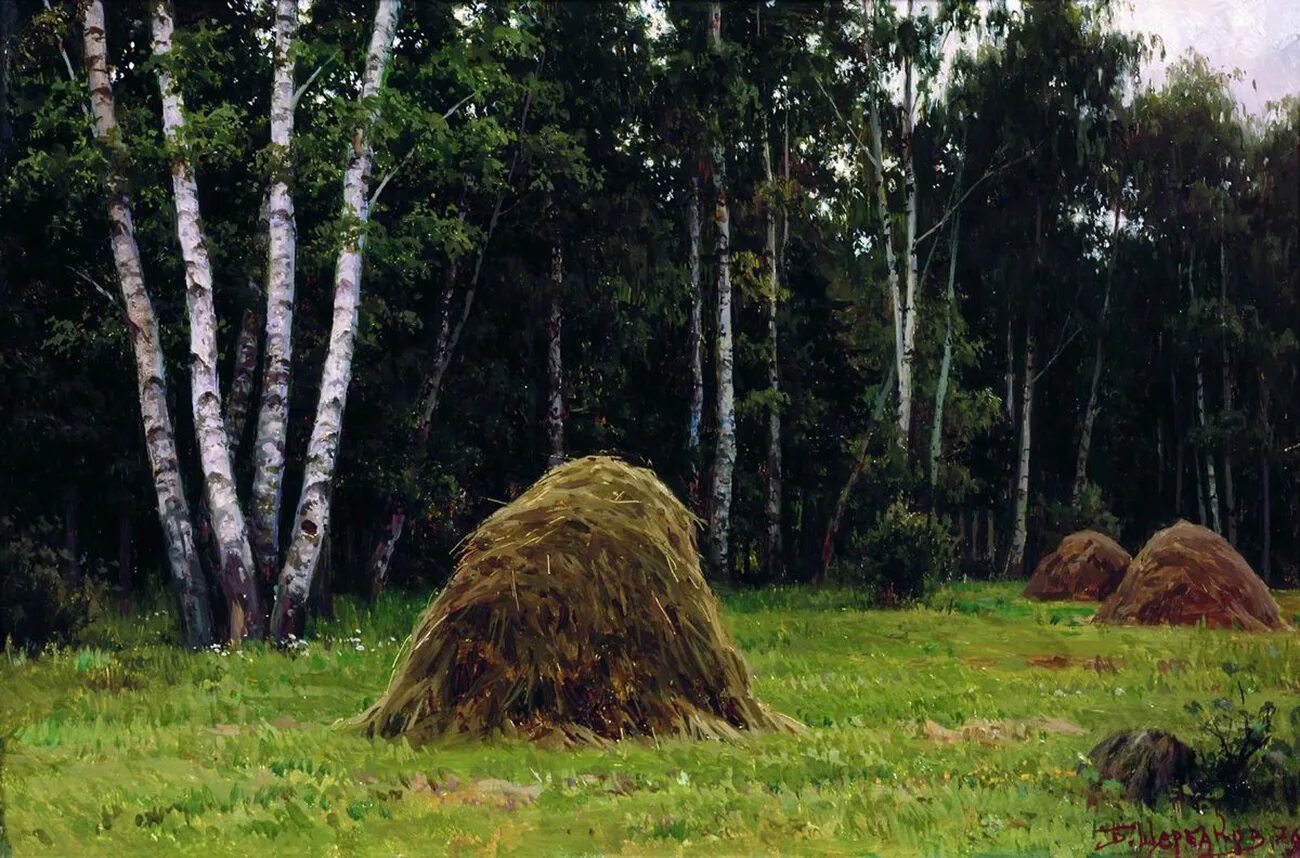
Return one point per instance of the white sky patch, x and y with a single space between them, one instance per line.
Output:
1260 37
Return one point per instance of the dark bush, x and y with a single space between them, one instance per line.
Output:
36 606
905 555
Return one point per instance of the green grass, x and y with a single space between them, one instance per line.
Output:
129 747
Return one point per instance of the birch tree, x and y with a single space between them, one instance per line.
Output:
694 332
236 571
151 379
724 462
1020 508
282 231
773 546
303 553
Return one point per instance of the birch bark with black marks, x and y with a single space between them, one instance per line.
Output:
282 236
294 584
1094 385
773 547
881 194
1020 511
555 361
151 380
1211 497
724 463
695 331
236 571
907 345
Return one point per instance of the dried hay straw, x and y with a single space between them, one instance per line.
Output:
1087 566
576 613
1186 575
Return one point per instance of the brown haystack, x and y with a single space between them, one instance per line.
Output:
576 613
1186 575
1087 566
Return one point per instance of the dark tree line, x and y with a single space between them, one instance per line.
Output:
813 261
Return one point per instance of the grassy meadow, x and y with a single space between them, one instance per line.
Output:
128 746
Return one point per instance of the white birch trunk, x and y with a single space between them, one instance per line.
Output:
907 347
236 556
555 362
695 332
151 379
303 553
881 194
725 459
282 234
1211 498
1020 512
945 365
774 548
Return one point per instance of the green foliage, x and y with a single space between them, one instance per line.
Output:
1246 763
37 607
905 555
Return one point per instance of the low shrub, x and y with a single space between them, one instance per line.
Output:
37 607
906 554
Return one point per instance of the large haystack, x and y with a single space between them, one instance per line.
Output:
1086 566
1186 575
576 613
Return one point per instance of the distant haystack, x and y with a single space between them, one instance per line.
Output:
577 614
1186 575
1086 566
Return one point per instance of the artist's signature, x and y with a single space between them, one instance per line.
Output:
1216 840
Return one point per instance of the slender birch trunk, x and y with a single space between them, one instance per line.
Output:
322 450
151 380
695 332
881 194
945 365
859 463
235 572
555 362
241 380
725 460
282 237
1020 513
774 548
1090 410
1211 483
1229 490
907 349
